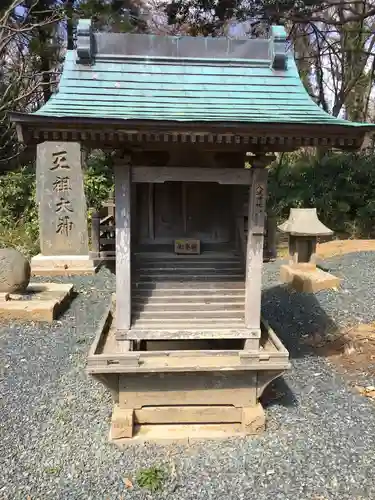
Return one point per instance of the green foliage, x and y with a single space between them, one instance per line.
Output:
340 185
152 478
18 211
98 179
17 199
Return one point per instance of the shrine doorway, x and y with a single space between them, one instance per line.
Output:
173 210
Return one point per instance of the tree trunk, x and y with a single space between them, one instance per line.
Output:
69 10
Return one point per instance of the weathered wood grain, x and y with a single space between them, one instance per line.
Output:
187 414
230 388
166 174
123 246
254 253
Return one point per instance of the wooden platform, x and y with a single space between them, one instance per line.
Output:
185 389
188 297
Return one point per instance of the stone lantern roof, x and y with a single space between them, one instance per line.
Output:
304 222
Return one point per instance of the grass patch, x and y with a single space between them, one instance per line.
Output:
53 471
20 238
152 478
63 415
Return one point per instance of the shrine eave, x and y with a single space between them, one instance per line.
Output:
32 128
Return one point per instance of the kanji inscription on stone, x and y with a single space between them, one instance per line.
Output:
64 225
64 205
61 199
62 185
60 160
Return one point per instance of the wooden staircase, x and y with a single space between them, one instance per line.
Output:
180 297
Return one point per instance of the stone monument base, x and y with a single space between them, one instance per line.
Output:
62 265
308 279
40 302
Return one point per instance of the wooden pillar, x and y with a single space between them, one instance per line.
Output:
123 247
151 203
255 239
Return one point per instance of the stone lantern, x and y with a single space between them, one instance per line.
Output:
303 228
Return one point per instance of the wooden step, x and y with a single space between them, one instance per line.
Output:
191 315
203 333
189 264
191 277
183 295
204 299
173 285
206 323
225 269
150 306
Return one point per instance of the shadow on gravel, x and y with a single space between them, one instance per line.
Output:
297 319
110 265
278 393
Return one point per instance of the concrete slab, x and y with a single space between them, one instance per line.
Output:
40 302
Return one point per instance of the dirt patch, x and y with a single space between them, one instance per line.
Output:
341 247
352 352
335 247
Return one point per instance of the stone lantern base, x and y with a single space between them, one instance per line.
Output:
308 279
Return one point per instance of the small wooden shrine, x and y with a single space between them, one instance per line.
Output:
195 123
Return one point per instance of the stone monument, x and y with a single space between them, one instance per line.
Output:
22 300
62 211
303 228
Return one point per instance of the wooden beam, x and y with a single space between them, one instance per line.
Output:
254 253
165 174
123 246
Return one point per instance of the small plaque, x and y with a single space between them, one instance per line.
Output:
187 246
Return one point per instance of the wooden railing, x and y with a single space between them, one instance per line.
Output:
103 233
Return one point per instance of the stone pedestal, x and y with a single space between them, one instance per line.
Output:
62 211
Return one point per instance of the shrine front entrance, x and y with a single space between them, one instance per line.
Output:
177 209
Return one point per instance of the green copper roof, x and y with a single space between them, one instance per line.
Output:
145 77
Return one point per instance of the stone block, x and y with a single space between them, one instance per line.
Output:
308 280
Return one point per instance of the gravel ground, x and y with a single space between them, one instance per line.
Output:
54 420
